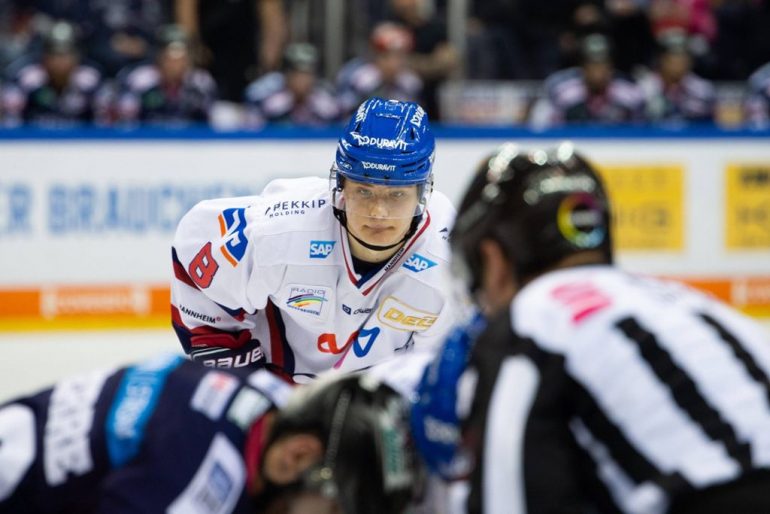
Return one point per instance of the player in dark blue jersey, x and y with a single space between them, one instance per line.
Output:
165 435
169 435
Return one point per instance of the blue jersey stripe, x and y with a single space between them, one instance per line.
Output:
134 403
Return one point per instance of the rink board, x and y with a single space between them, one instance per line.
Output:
87 219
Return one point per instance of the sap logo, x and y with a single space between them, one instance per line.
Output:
417 117
321 249
418 263
396 314
232 224
349 311
378 166
379 142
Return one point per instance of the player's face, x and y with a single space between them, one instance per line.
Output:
597 75
288 457
174 62
60 66
379 215
300 82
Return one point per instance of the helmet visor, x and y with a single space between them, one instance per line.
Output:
375 201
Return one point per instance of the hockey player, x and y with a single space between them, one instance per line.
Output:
296 95
599 390
166 435
674 94
593 93
385 73
171 436
54 89
307 277
169 90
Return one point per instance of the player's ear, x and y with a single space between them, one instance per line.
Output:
498 283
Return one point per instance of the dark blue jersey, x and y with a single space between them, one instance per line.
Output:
167 435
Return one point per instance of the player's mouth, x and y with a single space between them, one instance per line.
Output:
378 229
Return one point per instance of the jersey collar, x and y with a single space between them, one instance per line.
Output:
366 284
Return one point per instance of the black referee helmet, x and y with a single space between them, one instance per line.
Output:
540 206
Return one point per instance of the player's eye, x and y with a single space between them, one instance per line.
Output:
364 193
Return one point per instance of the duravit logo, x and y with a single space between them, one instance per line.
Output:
418 263
321 249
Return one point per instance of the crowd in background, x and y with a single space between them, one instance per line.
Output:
247 63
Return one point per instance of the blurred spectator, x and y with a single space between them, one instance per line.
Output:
237 40
631 33
294 95
758 98
114 33
433 58
120 32
169 91
673 92
591 93
386 74
625 22
519 39
741 45
693 16
53 88
15 31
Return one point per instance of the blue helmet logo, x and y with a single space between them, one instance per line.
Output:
387 142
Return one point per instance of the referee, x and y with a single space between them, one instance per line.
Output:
597 390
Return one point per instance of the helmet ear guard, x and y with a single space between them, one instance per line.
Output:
539 206
369 465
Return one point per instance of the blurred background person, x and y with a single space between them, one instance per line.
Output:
673 92
114 33
433 58
295 95
236 40
385 74
169 90
593 92
53 87
516 40
121 32
741 44
757 105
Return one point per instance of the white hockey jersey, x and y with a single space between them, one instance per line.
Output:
274 274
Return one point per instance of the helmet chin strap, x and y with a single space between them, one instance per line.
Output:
343 219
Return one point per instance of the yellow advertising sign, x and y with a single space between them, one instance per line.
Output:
648 206
747 209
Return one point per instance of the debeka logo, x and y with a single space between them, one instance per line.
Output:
321 249
418 263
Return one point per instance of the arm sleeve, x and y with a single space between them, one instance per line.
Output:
213 261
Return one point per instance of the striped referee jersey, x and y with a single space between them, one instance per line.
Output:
603 391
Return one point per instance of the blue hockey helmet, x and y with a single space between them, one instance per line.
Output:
387 142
